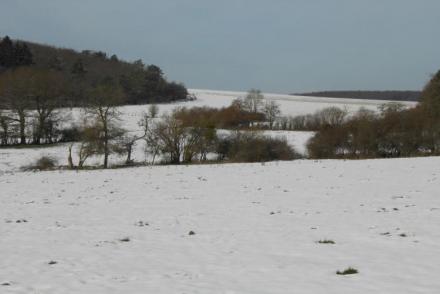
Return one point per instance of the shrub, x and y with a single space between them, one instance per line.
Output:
227 117
348 271
251 147
72 134
43 163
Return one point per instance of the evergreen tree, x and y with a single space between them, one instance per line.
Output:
7 56
13 55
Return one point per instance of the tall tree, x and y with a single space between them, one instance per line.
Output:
48 89
7 52
102 110
13 55
16 94
253 101
271 111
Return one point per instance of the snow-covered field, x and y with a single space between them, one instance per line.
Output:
256 228
289 105
13 159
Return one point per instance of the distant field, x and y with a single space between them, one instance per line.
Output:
290 104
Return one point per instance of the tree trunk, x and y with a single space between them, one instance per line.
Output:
69 159
106 147
22 130
106 153
105 157
129 150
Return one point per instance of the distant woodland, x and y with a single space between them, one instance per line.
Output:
369 95
79 72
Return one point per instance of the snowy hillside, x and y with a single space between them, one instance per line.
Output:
255 229
289 105
12 159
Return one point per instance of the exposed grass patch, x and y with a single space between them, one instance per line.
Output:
326 241
348 271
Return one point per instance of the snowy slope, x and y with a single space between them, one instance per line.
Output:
256 228
289 105
13 159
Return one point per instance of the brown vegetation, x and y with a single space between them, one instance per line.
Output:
394 132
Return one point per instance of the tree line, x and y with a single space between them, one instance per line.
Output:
186 135
393 132
141 83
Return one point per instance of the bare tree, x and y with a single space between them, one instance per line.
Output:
16 95
5 126
253 101
153 110
48 87
170 138
331 116
128 141
105 117
271 111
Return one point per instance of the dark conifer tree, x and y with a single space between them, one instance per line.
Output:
7 56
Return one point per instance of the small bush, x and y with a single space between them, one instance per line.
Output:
251 147
348 271
72 134
43 163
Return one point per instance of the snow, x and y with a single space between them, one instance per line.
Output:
289 105
256 228
256 225
14 159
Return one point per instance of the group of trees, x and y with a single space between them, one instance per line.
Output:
14 54
177 141
28 101
141 83
174 138
330 116
254 102
393 132
36 80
